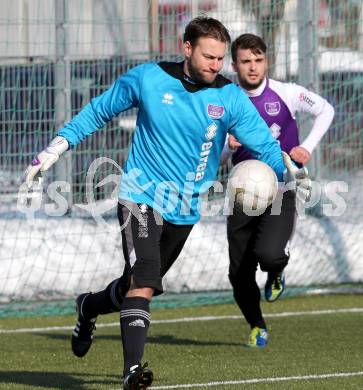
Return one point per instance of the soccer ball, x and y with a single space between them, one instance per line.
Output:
254 186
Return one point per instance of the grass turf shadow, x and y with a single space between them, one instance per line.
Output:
157 339
54 380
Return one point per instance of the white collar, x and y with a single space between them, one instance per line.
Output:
258 91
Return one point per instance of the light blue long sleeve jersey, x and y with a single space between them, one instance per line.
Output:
180 132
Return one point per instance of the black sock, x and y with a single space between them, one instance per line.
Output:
261 324
134 321
104 302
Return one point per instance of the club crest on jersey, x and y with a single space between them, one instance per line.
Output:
272 108
211 131
215 112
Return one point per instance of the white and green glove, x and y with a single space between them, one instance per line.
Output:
297 179
45 159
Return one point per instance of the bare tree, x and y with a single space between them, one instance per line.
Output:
268 14
345 19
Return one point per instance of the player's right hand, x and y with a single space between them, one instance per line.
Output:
45 159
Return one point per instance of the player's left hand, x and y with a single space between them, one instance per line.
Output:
300 154
299 176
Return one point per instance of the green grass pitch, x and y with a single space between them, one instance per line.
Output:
305 347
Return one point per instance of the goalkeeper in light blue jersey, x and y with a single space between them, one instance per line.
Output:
185 111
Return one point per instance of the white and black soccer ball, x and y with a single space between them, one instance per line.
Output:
254 186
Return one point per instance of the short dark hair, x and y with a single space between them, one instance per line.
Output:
204 26
248 41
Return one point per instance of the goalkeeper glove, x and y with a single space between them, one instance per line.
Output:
45 159
299 177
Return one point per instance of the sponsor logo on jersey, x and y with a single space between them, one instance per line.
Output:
215 112
211 131
168 98
275 130
272 108
36 162
203 160
306 99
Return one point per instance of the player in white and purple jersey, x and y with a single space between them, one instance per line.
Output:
264 240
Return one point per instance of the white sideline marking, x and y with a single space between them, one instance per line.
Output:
259 380
192 319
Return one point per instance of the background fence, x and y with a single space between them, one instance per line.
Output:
56 54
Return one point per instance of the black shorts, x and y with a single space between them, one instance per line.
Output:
150 244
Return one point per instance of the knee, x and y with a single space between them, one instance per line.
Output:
233 279
242 277
271 259
144 292
238 286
